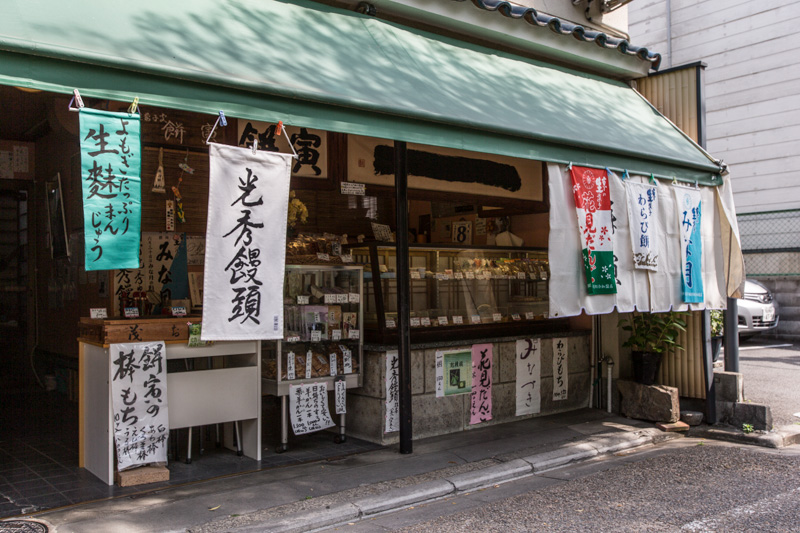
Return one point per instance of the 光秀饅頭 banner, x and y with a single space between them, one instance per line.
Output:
593 205
392 422
688 202
248 199
139 398
112 198
643 220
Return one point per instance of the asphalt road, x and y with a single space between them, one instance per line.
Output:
683 485
771 371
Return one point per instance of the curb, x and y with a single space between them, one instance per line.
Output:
400 498
778 438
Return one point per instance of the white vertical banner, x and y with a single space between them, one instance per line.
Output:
248 199
560 369
392 391
308 408
643 220
139 397
439 374
340 394
529 371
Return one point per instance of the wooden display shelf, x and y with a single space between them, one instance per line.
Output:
105 331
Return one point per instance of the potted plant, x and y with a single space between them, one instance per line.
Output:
652 334
717 332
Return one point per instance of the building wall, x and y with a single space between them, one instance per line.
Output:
752 86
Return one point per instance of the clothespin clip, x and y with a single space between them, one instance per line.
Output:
696 186
279 128
77 100
134 106
255 145
653 180
625 175
674 180
569 166
220 121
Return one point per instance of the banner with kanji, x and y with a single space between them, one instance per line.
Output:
481 395
308 407
643 220
689 204
111 188
245 244
593 205
529 371
139 399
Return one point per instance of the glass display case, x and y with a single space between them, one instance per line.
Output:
455 291
323 334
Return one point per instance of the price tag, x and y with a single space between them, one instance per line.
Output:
317 318
323 257
470 275
426 322
440 277
293 338
131 312
98 312
290 366
347 258
415 274
458 319
390 323
475 319
316 335
303 299
347 361
353 334
516 316
333 364
330 298
342 298
497 317
354 298
178 311
529 315
459 275
309 355
447 277
544 275
336 334
442 320
414 321
520 275
353 188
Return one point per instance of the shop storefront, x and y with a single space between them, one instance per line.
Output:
460 324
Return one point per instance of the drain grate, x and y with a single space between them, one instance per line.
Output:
23 526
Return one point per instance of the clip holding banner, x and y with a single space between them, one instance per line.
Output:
77 100
255 145
134 107
221 121
625 175
653 180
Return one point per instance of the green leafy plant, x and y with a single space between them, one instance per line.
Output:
717 323
747 428
654 332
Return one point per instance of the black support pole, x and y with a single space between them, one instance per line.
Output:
403 293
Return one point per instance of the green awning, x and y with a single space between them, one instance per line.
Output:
316 66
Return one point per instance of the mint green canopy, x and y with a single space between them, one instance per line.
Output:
322 67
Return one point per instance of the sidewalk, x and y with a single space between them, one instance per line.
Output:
315 495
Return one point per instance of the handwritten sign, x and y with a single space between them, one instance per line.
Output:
481 395
340 394
244 267
382 232
353 188
458 319
689 205
111 183
139 397
425 321
347 360
560 369
332 363
529 369
303 299
529 315
98 312
131 312
414 321
390 323
439 374
309 357
179 311
475 319
442 320
643 221
308 408
290 369
392 392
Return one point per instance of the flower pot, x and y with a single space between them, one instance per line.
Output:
646 366
716 346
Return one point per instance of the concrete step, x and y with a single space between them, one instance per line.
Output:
789 327
789 313
787 299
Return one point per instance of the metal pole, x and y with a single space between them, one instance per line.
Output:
732 336
708 369
403 293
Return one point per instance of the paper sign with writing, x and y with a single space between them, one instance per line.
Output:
382 232
178 311
131 312
392 392
353 188
245 244
340 393
529 371
689 204
139 396
481 396
560 369
347 360
98 312
457 371
111 162
458 319
643 221
332 363
309 356
308 408
439 374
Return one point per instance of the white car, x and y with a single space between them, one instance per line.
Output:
758 310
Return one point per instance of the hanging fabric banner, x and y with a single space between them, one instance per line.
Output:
139 398
112 193
529 388
248 199
593 205
392 392
689 204
643 220
308 408
560 369
481 397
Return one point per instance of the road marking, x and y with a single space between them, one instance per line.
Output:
764 347
756 508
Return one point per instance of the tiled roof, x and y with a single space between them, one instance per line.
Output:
534 18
